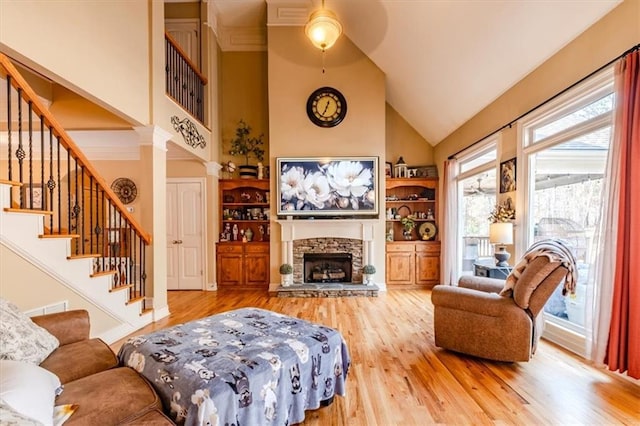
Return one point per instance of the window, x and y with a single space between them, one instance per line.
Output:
564 148
476 198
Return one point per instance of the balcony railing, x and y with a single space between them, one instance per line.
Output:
184 83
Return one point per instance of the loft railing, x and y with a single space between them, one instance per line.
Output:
184 83
50 174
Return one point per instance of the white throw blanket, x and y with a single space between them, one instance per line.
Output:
557 251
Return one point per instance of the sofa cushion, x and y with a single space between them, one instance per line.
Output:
28 389
89 357
20 338
534 274
110 397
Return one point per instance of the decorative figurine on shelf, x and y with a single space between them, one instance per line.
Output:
227 232
243 236
245 197
248 235
235 232
259 198
261 231
430 215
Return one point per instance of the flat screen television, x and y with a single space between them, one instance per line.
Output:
327 186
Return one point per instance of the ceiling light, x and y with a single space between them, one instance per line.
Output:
323 28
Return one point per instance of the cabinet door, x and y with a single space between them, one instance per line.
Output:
400 268
229 269
427 269
256 269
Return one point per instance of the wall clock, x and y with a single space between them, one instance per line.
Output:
326 107
125 189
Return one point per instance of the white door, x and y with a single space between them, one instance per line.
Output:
186 33
185 235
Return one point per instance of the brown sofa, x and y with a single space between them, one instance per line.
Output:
106 393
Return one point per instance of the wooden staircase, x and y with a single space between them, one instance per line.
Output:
22 231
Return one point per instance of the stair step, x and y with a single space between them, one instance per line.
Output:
134 300
59 236
121 287
83 256
103 273
146 311
13 210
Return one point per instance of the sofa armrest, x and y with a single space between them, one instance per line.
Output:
489 285
470 300
68 327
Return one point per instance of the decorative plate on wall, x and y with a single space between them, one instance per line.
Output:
428 231
125 189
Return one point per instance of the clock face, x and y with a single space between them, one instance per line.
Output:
125 189
326 107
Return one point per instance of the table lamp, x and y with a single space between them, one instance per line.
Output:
501 234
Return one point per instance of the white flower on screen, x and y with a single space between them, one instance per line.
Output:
349 178
291 183
316 189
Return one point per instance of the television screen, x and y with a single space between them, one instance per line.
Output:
329 186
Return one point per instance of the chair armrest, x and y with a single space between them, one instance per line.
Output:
489 285
470 300
68 327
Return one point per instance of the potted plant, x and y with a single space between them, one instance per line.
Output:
408 223
367 274
286 274
247 146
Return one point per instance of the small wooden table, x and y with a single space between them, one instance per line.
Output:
491 271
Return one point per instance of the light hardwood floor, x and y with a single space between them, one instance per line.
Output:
399 377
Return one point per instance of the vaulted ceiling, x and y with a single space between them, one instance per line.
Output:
444 60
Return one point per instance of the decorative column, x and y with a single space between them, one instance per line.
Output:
153 196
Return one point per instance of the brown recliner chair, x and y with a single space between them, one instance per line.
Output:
474 319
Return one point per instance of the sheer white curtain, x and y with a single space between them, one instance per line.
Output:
605 244
449 249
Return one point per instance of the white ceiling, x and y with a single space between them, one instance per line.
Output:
445 60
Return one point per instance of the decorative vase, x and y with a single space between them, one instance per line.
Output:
286 280
248 171
367 279
249 234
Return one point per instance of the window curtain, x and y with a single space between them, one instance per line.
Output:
449 249
616 338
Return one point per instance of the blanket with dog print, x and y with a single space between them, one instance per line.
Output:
243 367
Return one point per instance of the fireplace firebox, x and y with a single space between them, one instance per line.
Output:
327 267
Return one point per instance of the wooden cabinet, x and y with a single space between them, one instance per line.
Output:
242 253
413 261
242 265
413 264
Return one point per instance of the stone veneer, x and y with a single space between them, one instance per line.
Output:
327 245
329 290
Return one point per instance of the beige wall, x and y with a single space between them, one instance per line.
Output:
403 140
243 95
37 289
295 71
102 54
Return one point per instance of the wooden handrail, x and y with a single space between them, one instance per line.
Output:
184 56
19 82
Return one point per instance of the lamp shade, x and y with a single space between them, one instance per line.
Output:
501 233
323 29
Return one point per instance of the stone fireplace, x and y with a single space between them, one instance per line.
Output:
346 245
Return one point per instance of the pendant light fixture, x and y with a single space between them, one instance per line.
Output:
323 28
